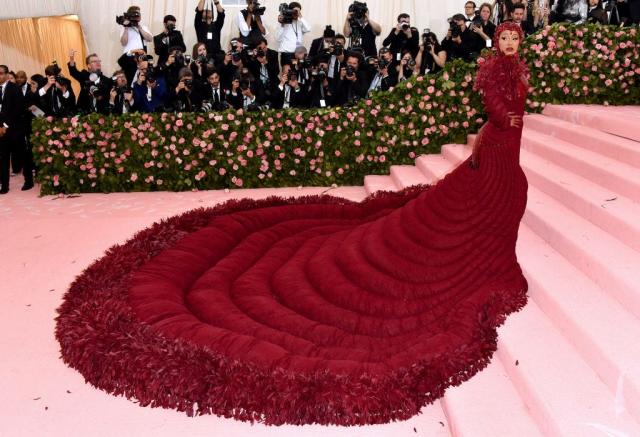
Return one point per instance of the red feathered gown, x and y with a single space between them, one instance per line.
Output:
318 310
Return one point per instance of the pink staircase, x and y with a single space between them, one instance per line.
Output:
569 363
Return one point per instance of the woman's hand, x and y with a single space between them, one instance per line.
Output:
514 120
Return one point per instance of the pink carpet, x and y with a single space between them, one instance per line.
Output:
566 365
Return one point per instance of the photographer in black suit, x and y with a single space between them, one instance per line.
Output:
23 145
57 96
207 29
169 38
94 86
352 84
121 99
11 110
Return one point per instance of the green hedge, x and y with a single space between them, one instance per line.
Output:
276 148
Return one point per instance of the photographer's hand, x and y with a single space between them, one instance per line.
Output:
112 95
343 73
281 20
170 60
72 57
141 78
51 80
128 97
181 86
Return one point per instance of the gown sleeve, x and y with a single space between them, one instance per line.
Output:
495 107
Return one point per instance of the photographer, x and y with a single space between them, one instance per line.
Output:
176 61
403 37
95 87
289 93
56 96
134 34
207 30
185 97
323 44
337 59
243 94
352 84
320 89
168 39
264 65
200 61
461 42
149 91
518 17
431 57
382 79
290 34
361 29
233 62
407 67
121 95
483 26
213 96
301 65
250 23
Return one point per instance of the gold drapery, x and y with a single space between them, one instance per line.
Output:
30 44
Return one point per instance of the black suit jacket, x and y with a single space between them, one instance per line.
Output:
85 99
162 49
316 47
12 110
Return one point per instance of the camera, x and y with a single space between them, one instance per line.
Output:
455 29
338 49
359 10
245 84
171 27
321 74
121 90
235 56
477 20
288 14
129 19
58 73
259 53
383 63
257 9
405 26
188 83
293 75
301 64
350 70
202 59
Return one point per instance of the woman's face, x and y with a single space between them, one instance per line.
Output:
202 50
485 13
509 41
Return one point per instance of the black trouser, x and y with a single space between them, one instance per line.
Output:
285 58
28 166
17 157
5 161
634 11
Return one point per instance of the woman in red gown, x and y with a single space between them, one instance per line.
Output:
317 310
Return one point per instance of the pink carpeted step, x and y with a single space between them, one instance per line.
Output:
598 117
456 153
434 167
565 396
355 194
476 408
614 175
603 331
608 262
615 214
405 176
621 149
373 183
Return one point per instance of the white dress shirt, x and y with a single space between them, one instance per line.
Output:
290 36
135 39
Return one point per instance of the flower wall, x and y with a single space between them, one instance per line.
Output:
276 148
